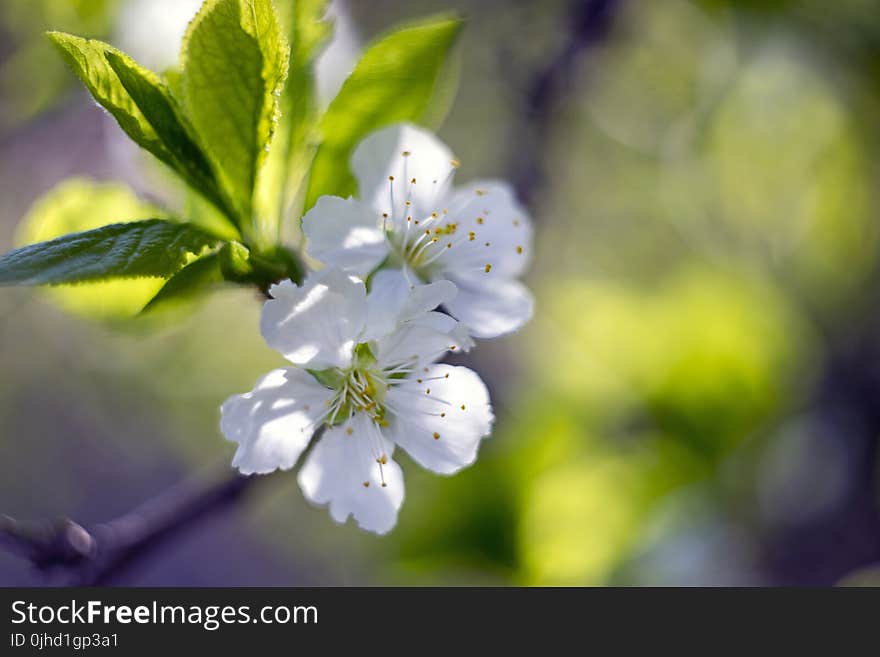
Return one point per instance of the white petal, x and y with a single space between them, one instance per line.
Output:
346 234
491 308
316 324
343 471
420 342
393 300
273 423
494 232
381 155
441 420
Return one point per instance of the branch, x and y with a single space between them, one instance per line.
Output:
98 555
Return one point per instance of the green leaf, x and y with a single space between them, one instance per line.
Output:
295 141
192 281
79 204
150 248
144 108
154 99
396 80
233 61
86 58
241 265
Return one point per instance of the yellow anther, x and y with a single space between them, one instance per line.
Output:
442 414
472 236
446 376
462 407
382 459
349 430
413 181
383 422
428 391
391 178
488 268
452 347
481 192
408 203
366 484
480 220
516 222
519 249
455 164
436 436
434 214
406 153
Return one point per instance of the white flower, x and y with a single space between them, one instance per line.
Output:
366 371
410 217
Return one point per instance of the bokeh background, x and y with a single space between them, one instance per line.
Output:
697 401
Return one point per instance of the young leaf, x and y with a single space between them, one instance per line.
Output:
154 99
80 204
150 248
395 80
197 277
294 142
142 105
233 61
86 58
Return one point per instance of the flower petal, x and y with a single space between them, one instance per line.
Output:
344 471
494 233
405 153
441 421
274 422
491 308
318 323
346 234
393 300
418 343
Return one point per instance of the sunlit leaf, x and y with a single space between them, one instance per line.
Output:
233 63
395 80
77 205
150 248
295 141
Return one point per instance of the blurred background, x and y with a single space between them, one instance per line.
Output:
696 402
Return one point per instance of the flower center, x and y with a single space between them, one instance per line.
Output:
423 242
360 388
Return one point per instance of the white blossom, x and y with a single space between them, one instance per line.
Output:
364 369
409 217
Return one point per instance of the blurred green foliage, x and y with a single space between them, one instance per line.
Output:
31 75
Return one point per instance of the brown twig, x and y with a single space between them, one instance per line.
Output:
97 555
